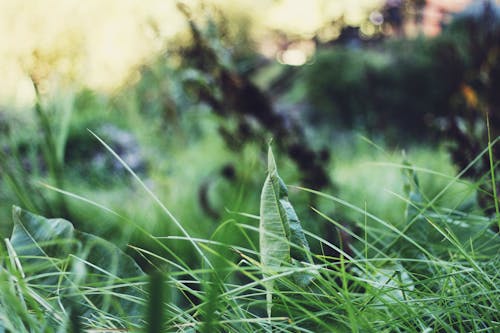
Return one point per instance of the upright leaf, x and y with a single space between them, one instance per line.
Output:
416 225
282 239
273 242
411 188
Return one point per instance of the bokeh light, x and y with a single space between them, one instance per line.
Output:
100 44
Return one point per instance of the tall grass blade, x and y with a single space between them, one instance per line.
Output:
75 323
155 318
492 172
154 197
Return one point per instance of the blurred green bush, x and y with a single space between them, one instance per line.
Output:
411 87
442 89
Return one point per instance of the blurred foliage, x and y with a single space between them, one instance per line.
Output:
477 33
409 83
215 79
419 90
192 124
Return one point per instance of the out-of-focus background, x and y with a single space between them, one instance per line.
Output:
189 93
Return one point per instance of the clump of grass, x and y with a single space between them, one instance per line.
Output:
436 271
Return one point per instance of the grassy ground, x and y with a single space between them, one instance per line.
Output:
436 271
397 245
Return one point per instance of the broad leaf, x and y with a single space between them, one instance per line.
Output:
282 239
391 283
430 225
84 273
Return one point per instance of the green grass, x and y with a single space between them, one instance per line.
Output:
393 254
423 267
391 247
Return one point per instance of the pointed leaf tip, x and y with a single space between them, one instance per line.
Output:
15 210
271 163
16 213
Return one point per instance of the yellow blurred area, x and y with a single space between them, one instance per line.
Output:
98 43
95 43
306 17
